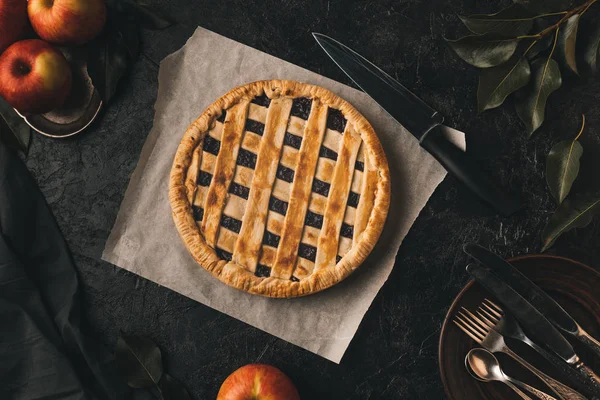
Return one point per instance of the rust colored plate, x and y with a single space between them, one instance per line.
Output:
574 285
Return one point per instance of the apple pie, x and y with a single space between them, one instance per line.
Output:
280 188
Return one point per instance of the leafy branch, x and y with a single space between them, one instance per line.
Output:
581 9
521 50
114 52
139 361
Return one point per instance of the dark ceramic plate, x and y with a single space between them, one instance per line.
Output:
80 109
574 285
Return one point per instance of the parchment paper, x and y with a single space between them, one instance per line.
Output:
144 239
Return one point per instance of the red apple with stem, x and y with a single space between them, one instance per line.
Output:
258 382
13 22
67 22
34 77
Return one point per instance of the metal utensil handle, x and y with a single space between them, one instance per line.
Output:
581 380
517 390
531 389
590 376
563 391
588 340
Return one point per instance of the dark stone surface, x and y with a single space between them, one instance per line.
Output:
393 355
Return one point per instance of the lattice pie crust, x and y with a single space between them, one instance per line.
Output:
280 188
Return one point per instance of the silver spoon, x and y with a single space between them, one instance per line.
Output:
485 367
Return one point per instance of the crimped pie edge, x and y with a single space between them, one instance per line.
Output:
235 275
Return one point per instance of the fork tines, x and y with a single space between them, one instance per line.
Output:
492 308
478 326
472 325
489 312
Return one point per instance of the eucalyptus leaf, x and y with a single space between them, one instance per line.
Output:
111 55
172 389
573 213
139 361
530 101
484 51
496 83
513 20
562 168
567 40
592 50
13 130
545 6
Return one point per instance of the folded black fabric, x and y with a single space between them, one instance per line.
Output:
43 354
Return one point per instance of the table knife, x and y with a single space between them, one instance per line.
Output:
534 294
536 324
419 119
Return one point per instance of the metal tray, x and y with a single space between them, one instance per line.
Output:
80 109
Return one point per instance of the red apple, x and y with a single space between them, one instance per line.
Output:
34 76
13 22
67 22
258 382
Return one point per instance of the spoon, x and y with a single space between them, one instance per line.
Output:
485 367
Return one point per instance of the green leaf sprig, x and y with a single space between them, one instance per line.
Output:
111 55
574 211
139 361
513 59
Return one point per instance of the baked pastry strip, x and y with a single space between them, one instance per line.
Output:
192 177
301 188
267 256
367 198
247 246
233 130
329 237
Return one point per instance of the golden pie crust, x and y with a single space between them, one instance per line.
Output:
280 188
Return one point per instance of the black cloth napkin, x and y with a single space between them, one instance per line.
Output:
43 353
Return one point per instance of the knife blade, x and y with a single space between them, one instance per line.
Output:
419 119
532 293
536 324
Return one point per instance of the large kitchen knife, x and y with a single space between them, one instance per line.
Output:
533 293
536 324
419 119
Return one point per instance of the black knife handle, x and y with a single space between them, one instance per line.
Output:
588 340
465 169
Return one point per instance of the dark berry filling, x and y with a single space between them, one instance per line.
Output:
262 100
336 120
285 174
301 107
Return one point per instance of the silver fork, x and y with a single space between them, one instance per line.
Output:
508 326
484 334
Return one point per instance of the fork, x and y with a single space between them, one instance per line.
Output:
504 323
484 334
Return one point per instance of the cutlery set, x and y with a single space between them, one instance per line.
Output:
525 308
